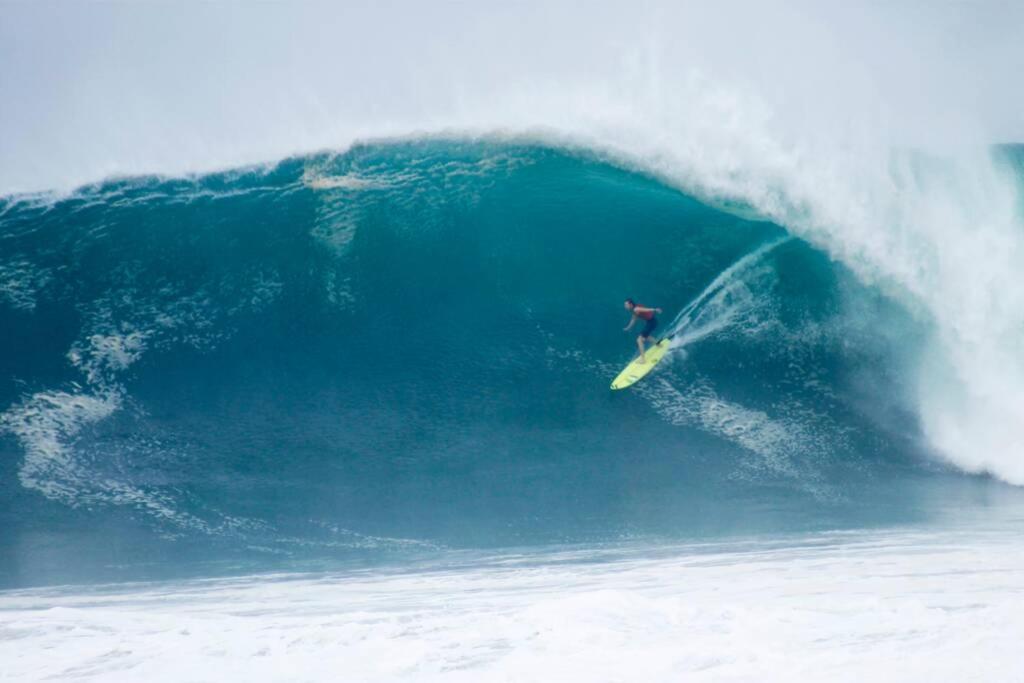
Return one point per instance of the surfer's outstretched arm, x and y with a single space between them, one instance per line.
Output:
632 321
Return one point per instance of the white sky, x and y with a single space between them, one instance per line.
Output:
89 90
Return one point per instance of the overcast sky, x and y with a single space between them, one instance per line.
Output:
89 90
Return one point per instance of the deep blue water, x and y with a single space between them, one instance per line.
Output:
406 348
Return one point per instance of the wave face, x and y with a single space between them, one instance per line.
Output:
408 347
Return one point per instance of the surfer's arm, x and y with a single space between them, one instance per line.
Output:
631 321
644 309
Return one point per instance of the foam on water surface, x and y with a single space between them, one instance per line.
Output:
899 606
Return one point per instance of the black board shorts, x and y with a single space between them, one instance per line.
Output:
648 328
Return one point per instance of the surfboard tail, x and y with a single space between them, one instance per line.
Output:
636 370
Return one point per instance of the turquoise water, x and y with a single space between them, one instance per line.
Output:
406 348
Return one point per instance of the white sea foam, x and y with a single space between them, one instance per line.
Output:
20 283
102 356
46 423
883 606
52 426
790 445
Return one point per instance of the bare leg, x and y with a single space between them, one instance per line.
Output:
640 345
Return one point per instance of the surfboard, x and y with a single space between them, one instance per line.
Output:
636 371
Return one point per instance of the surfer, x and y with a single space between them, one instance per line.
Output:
647 314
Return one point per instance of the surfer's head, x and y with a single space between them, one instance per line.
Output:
630 304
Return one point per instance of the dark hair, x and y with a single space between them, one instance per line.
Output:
630 302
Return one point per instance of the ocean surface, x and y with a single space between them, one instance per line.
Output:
367 392
893 606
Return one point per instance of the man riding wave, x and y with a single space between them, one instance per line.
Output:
647 314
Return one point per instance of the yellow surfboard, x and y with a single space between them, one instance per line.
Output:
636 370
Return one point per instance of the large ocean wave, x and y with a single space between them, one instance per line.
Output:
408 345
